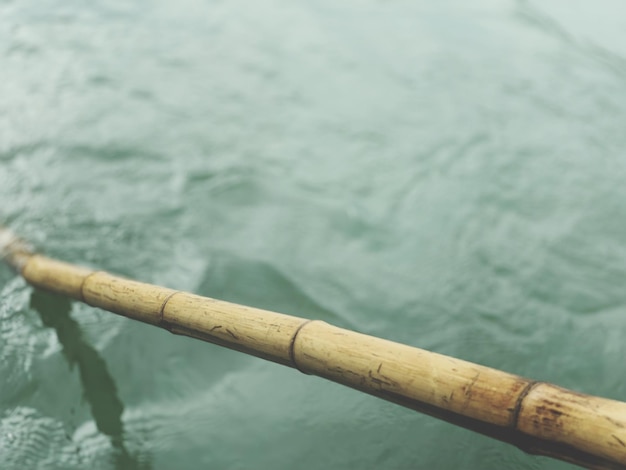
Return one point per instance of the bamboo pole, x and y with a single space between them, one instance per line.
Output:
538 417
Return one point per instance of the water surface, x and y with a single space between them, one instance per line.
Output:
444 174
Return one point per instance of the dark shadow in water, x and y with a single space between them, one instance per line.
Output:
258 283
98 385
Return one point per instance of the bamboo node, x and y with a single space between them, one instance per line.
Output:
82 285
520 400
292 345
162 321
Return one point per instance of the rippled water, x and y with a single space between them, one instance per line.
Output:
445 174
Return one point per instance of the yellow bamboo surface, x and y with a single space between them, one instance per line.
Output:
537 417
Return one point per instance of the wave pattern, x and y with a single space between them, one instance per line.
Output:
448 175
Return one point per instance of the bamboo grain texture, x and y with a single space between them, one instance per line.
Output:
539 418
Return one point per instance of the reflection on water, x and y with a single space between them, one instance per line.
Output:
98 385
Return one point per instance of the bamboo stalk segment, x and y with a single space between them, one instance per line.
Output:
15 251
537 417
591 424
121 296
258 332
389 369
49 274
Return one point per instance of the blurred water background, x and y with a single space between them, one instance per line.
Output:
449 175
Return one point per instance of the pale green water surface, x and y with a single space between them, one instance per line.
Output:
451 175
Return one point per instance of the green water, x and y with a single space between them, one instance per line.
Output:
449 175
